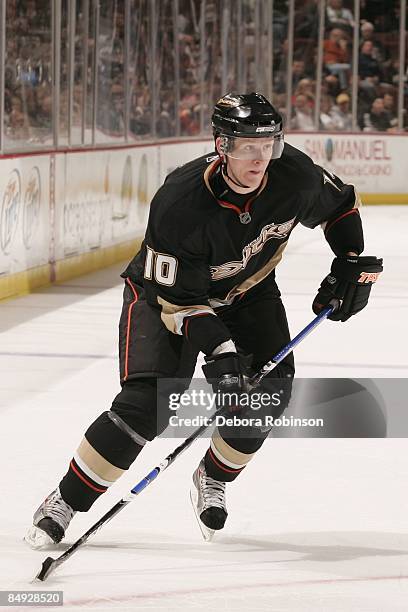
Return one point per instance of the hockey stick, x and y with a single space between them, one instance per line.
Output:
50 564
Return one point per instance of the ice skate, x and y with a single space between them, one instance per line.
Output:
50 521
208 499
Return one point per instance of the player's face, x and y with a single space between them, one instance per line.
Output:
249 159
251 148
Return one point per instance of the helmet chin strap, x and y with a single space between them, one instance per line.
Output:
224 168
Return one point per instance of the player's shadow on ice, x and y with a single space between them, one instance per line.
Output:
315 547
323 546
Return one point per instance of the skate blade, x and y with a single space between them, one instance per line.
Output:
206 532
38 539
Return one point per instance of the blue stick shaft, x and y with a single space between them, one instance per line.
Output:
322 316
145 481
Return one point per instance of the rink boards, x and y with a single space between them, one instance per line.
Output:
66 213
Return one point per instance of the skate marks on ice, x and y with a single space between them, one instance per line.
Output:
281 571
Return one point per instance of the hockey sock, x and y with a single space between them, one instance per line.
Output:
107 450
224 462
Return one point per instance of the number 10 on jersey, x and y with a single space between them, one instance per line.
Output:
162 266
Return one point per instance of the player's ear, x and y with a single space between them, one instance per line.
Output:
218 146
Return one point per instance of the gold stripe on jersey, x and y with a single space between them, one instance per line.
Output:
98 464
173 315
259 276
208 172
357 202
228 455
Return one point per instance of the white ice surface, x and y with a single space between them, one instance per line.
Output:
314 524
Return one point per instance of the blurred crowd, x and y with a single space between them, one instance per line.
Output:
27 70
378 68
172 94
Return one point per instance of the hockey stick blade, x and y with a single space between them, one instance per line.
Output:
50 564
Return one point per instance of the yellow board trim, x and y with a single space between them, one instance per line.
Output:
65 269
21 283
384 198
24 282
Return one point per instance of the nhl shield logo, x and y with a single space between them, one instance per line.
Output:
245 218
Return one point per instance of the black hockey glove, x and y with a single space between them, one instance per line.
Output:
225 372
349 283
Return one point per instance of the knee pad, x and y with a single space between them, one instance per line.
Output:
137 405
112 442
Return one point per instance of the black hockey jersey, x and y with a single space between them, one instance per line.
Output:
201 251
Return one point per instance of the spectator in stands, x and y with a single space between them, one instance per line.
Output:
369 72
298 71
377 120
368 66
335 48
341 113
303 115
281 70
389 107
336 56
16 121
189 122
140 117
330 84
326 121
306 87
338 16
368 33
165 123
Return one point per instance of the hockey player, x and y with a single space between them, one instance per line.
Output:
204 280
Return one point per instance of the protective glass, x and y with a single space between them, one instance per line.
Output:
253 148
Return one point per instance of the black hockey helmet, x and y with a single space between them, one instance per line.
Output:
247 116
